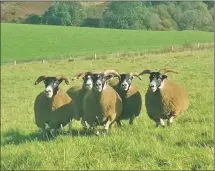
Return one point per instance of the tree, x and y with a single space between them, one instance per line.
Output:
126 15
64 13
196 17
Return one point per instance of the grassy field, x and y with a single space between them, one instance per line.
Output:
32 42
187 144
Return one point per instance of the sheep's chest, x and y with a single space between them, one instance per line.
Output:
154 105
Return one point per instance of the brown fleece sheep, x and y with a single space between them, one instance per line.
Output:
131 97
53 108
164 99
77 94
102 105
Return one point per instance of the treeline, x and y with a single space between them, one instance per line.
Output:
147 15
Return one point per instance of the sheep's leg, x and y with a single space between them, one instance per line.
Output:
107 125
157 124
61 129
118 123
162 122
171 118
95 129
84 124
70 127
53 131
131 120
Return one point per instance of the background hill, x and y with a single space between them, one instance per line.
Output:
19 11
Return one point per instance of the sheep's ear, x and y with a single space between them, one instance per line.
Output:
39 79
164 77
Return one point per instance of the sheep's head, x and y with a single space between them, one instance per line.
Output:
101 79
88 79
51 83
126 80
156 78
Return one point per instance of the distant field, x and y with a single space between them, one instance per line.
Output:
187 145
33 42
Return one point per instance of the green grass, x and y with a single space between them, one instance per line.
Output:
187 144
33 42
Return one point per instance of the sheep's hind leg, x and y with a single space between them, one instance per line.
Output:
118 123
131 121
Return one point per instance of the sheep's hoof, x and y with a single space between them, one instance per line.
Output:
170 121
157 124
162 123
97 132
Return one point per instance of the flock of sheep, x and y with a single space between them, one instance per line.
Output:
101 101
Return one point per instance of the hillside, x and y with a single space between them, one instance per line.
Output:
18 11
33 42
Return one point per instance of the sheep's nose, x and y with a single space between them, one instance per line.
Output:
151 85
47 91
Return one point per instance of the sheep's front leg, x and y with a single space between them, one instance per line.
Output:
84 124
95 129
162 123
70 127
60 130
107 125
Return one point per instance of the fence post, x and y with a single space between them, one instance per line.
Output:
43 61
172 48
14 62
95 56
198 45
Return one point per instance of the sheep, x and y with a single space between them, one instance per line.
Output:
77 94
131 97
52 107
164 100
102 105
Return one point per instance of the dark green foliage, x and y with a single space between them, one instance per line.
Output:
126 15
195 16
147 15
64 13
33 19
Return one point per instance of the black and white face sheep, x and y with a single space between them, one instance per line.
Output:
77 93
52 107
102 105
131 97
164 99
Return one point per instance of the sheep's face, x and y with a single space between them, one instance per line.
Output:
88 82
51 86
125 82
100 81
156 80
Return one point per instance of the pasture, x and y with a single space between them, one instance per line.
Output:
187 144
22 42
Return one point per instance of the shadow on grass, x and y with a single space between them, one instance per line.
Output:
16 137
